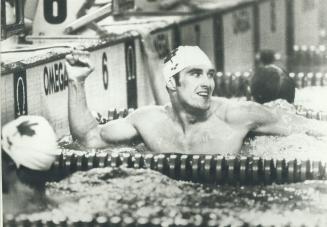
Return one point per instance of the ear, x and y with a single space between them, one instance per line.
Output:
171 84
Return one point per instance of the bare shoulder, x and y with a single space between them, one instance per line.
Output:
219 102
244 106
147 113
247 113
232 110
220 106
151 109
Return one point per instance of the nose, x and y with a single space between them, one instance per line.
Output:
205 80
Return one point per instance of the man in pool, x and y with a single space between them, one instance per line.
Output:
193 122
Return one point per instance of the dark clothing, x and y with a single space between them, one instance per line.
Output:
270 83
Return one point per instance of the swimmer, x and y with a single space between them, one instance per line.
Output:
29 147
270 83
193 122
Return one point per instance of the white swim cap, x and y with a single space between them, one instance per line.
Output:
31 142
183 57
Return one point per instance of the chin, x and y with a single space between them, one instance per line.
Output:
201 105
196 103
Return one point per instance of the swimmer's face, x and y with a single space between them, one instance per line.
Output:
196 86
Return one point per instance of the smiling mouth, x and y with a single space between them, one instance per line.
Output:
203 94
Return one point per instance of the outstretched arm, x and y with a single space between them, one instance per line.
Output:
268 120
83 125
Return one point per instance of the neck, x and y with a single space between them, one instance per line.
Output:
187 115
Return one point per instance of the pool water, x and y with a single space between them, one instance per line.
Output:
148 196
144 195
312 98
296 146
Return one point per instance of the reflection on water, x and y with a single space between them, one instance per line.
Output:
149 194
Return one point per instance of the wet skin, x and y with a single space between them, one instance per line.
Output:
161 133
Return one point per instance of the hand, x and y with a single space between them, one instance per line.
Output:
78 65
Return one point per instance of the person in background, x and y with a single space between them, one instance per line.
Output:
29 148
270 83
266 57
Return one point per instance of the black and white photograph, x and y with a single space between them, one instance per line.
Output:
163 113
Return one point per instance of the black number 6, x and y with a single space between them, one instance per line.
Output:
59 15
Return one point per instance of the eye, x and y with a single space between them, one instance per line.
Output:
211 74
196 73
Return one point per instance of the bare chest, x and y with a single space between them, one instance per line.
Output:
211 137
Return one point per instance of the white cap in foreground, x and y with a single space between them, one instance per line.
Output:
31 142
183 57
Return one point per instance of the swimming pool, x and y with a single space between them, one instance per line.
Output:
243 196
143 197
312 97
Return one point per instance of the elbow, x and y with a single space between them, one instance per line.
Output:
90 139
77 134
90 144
